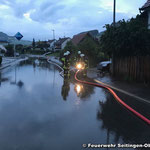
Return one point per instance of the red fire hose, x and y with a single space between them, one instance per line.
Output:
116 97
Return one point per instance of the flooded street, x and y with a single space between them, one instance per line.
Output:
39 110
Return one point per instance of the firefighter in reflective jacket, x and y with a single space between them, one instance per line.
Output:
79 56
66 64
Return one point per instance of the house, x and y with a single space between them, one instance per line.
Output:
2 50
61 43
77 39
51 44
146 8
93 33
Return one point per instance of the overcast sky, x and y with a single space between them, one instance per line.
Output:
37 18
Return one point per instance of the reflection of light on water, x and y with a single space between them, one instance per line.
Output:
77 102
78 88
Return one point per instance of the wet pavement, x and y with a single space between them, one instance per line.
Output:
39 110
138 89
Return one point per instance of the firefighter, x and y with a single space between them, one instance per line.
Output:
79 57
66 64
63 60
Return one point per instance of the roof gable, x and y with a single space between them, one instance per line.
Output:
50 41
61 41
78 38
146 5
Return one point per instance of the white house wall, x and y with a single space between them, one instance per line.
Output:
149 19
64 43
52 44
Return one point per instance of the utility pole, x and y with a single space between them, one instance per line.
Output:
53 34
114 13
114 24
54 40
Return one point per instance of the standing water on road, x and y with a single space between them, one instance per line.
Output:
39 110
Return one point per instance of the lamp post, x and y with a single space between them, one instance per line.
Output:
114 13
54 40
53 34
114 24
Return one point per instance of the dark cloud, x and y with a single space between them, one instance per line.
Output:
65 16
19 7
49 13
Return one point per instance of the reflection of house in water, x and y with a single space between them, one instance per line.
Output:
122 123
2 79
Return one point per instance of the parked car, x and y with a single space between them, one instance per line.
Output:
17 54
104 66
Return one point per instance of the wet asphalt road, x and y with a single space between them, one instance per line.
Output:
39 110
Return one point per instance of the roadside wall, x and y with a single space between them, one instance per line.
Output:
136 68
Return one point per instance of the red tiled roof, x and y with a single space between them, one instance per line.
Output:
78 38
146 5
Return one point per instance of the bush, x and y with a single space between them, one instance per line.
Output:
19 48
91 49
37 52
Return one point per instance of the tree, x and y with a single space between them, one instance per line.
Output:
33 43
10 50
69 47
0 60
128 38
19 48
42 44
91 49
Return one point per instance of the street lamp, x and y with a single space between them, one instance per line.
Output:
53 34
53 39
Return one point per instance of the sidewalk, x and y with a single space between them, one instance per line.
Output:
137 89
